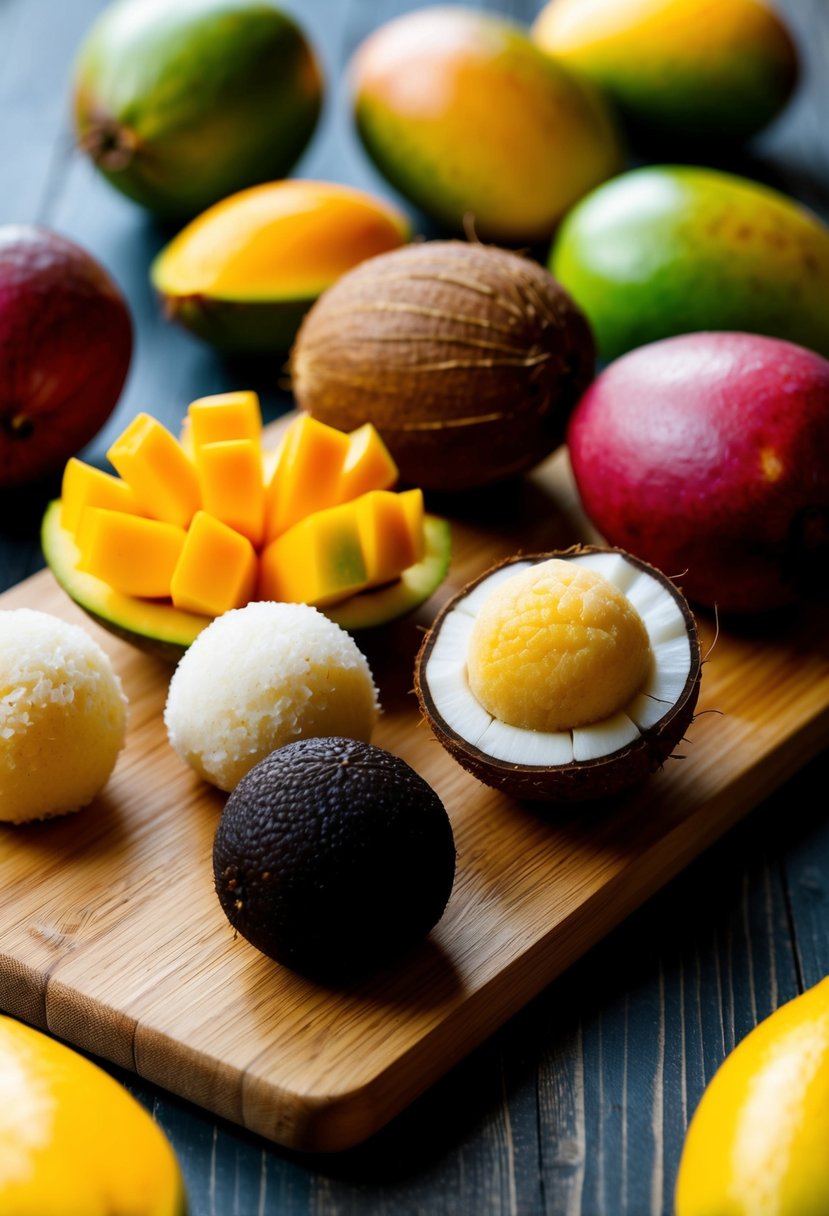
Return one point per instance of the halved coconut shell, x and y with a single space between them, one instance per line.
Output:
586 763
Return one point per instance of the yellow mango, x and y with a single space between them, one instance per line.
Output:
225 416
216 569
368 464
757 1143
157 468
391 532
318 561
231 485
136 556
72 1140
85 486
415 513
306 478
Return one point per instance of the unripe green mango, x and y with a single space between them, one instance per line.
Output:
182 103
469 120
690 67
669 249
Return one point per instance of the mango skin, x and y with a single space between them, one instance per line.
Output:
74 1142
181 104
707 455
757 1141
667 249
243 274
693 68
471 122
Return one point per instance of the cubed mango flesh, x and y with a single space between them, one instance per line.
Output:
230 481
85 486
307 473
135 555
391 533
154 464
318 561
216 569
344 549
368 464
225 416
193 529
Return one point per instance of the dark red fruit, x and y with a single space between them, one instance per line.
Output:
65 348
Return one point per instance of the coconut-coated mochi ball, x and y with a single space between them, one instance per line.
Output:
63 716
262 676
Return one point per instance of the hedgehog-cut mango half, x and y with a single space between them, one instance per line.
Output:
192 526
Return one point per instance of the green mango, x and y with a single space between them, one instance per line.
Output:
182 103
669 249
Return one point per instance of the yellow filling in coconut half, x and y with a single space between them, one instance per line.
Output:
559 661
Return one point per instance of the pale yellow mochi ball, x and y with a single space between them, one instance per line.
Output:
62 716
556 647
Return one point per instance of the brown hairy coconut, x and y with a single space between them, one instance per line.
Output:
576 646
467 358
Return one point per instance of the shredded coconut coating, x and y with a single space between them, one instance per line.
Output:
262 676
555 647
62 716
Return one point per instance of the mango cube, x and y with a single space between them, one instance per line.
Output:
319 561
216 569
344 549
307 473
368 465
230 481
85 486
391 532
155 465
136 556
225 416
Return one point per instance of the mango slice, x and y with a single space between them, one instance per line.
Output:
216 569
221 416
319 561
307 473
244 272
156 467
85 486
133 554
368 464
230 481
334 553
391 532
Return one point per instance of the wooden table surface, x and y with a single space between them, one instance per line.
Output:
579 1105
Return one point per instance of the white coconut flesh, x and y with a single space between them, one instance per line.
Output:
446 674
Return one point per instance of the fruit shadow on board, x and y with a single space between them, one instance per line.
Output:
98 830
419 979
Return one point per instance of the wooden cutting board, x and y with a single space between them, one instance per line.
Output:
111 935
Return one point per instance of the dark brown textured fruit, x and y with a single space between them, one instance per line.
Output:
333 856
65 348
608 757
467 358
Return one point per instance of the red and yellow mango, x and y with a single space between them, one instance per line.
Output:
472 122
